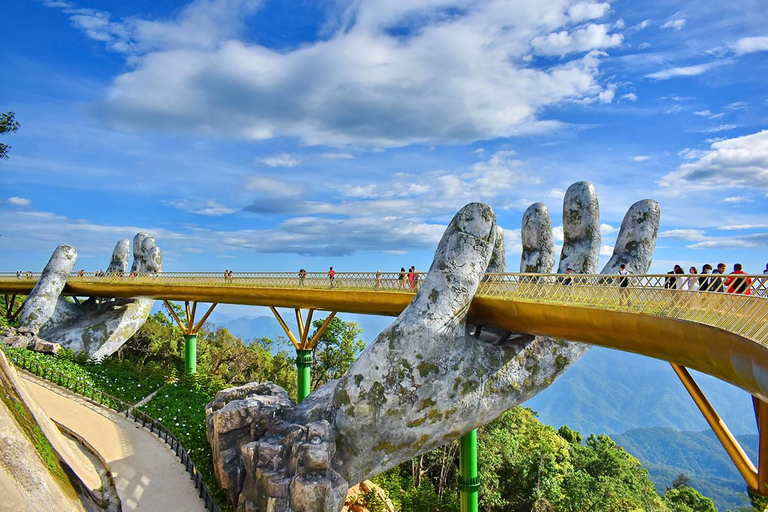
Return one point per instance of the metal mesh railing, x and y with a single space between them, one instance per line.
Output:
736 303
89 392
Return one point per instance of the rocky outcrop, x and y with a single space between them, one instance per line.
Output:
428 378
264 459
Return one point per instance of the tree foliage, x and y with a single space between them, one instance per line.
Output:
7 124
336 350
527 466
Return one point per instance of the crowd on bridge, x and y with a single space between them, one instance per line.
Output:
714 280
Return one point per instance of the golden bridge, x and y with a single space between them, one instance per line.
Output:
722 334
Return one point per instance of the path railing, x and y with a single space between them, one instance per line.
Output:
701 298
89 392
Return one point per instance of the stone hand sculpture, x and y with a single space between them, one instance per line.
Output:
427 379
97 326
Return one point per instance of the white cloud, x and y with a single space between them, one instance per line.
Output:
736 227
359 84
686 70
737 105
482 181
716 129
643 24
641 158
683 234
281 160
730 163
674 24
17 201
585 39
750 45
213 209
703 113
643 46
606 250
737 200
629 96
584 11
607 229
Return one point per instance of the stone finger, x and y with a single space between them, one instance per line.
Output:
498 264
152 257
138 255
120 258
581 229
42 300
538 243
460 261
637 238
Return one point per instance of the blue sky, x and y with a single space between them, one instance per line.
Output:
272 135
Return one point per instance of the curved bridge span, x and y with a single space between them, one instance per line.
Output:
721 334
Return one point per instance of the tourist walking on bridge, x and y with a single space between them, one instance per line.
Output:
717 282
691 283
331 276
401 279
705 282
738 284
623 285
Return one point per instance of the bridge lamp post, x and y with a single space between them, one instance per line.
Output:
190 330
304 347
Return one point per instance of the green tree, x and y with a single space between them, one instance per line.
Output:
7 124
335 351
687 499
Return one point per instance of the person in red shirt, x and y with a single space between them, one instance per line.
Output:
331 276
738 284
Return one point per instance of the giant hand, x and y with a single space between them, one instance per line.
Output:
427 379
97 326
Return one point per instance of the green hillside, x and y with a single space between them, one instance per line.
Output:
666 453
611 392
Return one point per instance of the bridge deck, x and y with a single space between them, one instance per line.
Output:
722 334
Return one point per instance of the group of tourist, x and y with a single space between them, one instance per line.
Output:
413 278
709 279
21 273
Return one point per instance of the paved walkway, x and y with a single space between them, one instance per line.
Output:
147 473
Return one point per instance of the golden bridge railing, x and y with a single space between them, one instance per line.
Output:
698 298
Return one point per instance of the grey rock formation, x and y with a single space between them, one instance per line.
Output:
265 458
96 326
428 378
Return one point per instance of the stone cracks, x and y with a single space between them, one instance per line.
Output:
265 460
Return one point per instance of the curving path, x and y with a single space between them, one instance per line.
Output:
147 474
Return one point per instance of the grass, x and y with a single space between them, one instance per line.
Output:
120 380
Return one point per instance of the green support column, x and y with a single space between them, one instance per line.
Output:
190 354
469 482
304 375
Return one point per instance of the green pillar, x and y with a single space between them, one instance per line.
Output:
469 482
190 354
304 373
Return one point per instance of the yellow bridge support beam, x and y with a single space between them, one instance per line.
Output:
190 330
755 481
302 342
